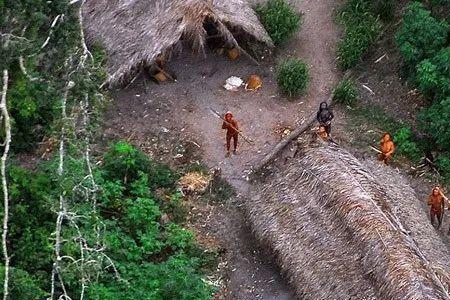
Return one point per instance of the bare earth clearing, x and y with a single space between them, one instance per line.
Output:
174 119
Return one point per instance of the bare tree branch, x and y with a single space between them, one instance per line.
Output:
86 52
85 107
24 70
55 21
5 115
92 256
62 205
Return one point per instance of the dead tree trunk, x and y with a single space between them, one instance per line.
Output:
6 144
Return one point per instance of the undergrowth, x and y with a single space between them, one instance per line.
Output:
346 92
279 19
423 42
361 28
141 217
292 76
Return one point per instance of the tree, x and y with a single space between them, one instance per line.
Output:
434 121
433 75
43 57
421 36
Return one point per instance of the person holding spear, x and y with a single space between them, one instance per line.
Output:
437 201
233 132
232 128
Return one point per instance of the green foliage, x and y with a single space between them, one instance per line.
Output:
293 76
280 20
420 37
423 44
32 223
434 121
361 30
112 193
363 116
175 279
405 145
140 213
175 207
176 286
22 285
126 162
385 9
443 165
433 75
346 92
31 108
35 90
34 99
155 259
178 238
142 246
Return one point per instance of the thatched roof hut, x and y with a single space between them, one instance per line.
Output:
334 229
134 32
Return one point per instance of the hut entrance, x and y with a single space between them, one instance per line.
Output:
210 36
216 41
214 38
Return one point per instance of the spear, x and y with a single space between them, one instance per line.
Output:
443 207
216 114
375 149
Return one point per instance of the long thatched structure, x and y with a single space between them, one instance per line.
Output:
333 226
135 32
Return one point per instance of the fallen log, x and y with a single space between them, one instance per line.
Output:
286 140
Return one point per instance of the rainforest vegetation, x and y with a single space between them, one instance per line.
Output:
107 222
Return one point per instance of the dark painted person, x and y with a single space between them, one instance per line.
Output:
324 116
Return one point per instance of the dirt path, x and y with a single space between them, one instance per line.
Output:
173 122
262 113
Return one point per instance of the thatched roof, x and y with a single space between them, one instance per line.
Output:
137 31
335 231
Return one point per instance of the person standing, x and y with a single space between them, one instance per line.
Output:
232 128
324 117
387 148
436 201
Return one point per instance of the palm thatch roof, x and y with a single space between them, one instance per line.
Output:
333 226
137 31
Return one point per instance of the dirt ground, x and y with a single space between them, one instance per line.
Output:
172 122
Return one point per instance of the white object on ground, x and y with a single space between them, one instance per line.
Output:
233 83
